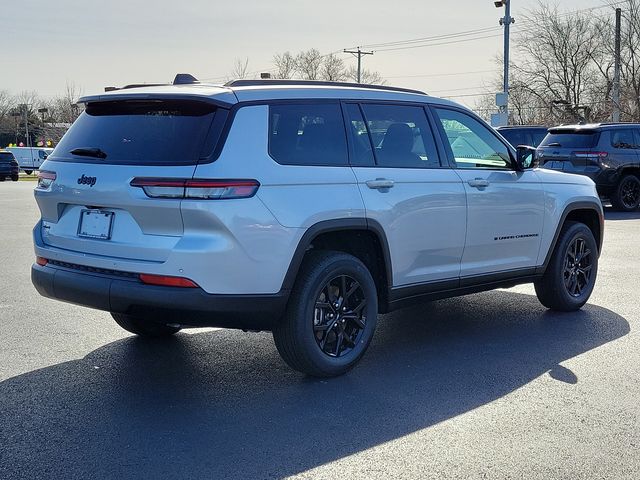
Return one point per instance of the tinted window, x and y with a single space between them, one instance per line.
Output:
473 145
401 136
515 137
622 138
361 152
568 139
309 134
537 136
140 132
6 156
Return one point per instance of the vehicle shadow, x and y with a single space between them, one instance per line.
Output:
223 405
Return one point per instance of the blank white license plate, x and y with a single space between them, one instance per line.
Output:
95 224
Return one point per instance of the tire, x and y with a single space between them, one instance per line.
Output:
567 284
626 196
313 337
142 327
28 172
15 178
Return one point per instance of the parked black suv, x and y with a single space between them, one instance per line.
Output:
607 153
8 166
530 135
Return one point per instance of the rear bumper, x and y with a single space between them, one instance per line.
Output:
185 306
9 172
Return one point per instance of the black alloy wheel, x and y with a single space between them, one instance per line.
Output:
330 316
630 192
339 316
578 265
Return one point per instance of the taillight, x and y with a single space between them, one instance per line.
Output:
45 178
41 261
167 281
196 188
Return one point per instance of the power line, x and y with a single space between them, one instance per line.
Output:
434 37
452 74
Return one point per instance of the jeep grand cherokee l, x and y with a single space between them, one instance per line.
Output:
304 208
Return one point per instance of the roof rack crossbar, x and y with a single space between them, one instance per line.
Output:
264 82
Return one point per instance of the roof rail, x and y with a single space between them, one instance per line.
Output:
321 83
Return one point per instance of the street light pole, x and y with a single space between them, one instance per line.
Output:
506 22
44 128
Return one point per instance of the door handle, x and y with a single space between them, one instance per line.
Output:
478 182
379 183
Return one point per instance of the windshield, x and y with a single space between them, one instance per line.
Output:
156 132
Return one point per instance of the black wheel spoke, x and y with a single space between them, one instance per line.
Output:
354 286
338 328
577 267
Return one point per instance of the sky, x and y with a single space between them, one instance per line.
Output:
46 44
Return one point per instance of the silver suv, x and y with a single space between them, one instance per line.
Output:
304 208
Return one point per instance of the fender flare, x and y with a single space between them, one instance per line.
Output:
572 207
326 226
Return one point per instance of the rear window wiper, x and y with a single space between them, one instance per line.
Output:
88 152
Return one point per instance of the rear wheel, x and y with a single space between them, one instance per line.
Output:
626 196
14 178
142 327
28 172
571 274
331 315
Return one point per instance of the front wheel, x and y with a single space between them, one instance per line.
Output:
626 196
15 178
142 327
331 315
571 274
28 172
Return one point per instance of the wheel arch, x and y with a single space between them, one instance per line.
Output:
588 213
361 237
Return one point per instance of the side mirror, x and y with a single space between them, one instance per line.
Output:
526 157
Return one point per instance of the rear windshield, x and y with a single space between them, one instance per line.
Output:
6 156
167 132
585 139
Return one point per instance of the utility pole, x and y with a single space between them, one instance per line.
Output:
358 54
25 108
506 21
616 71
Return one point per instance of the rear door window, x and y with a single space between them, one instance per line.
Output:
401 136
623 138
149 132
307 134
571 139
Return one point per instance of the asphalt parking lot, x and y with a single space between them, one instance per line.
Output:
486 386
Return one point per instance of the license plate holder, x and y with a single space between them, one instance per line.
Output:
96 224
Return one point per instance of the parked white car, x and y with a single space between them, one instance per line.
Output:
304 208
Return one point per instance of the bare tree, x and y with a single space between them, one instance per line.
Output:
308 64
333 69
65 108
285 64
558 54
366 76
240 68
